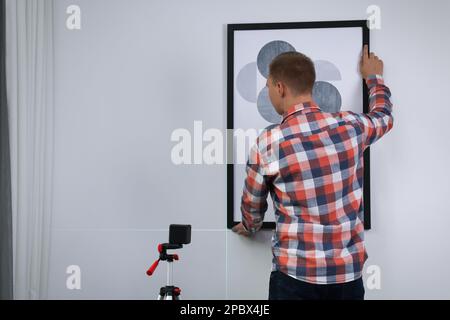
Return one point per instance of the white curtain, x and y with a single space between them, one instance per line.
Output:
29 70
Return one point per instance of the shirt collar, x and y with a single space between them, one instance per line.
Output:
305 107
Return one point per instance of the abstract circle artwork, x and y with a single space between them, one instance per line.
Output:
326 71
246 82
269 52
266 109
325 94
327 97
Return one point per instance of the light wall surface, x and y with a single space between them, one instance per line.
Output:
137 70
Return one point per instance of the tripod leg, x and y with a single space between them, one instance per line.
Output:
162 293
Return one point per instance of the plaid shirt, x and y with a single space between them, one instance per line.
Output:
312 165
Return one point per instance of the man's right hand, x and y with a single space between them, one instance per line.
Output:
370 64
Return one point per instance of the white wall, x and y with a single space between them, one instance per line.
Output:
140 69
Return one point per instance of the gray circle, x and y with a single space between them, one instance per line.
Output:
266 109
269 52
327 97
246 82
326 71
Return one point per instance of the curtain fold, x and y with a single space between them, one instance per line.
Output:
30 85
6 248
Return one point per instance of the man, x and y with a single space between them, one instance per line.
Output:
312 165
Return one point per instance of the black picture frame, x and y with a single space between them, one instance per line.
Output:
231 28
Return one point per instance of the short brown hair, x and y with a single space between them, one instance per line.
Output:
294 69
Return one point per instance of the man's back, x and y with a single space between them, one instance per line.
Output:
312 165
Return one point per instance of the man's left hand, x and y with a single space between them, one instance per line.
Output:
240 230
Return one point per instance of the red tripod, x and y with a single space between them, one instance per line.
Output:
169 292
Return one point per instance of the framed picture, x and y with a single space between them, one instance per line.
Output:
334 46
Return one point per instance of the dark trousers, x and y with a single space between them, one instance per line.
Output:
284 287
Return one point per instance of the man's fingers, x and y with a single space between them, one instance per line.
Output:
243 233
239 229
370 63
365 54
